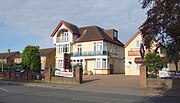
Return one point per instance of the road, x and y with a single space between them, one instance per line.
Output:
26 94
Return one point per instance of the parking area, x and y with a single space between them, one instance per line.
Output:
115 80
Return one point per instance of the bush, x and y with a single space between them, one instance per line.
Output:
153 63
152 75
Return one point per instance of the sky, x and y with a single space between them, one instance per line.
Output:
31 22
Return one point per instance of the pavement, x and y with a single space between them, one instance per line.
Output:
105 84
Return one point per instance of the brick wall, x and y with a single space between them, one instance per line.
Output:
64 80
157 82
163 83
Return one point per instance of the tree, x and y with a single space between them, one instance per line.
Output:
163 24
31 58
153 62
172 54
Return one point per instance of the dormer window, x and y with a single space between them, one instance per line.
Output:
115 33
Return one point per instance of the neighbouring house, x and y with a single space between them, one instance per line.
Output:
132 53
10 57
98 50
47 57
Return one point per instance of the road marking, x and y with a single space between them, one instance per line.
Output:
88 100
3 89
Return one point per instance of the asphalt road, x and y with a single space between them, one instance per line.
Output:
24 94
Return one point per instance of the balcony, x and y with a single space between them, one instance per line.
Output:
90 53
60 40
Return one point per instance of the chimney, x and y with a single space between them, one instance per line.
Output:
9 50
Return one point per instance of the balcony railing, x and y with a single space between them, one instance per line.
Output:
90 53
59 40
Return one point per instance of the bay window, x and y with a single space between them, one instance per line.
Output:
100 46
63 48
101 63
59 64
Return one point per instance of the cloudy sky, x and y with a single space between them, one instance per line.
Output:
30 22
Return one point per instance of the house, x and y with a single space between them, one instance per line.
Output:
10 57
47 57
132 53
98 50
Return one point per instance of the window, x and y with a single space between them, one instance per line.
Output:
79 49
59 64
98 46
65 36
16 60
98 63
63 48
115 49
138 43
104 46
79 61
43 58
115 34
103 63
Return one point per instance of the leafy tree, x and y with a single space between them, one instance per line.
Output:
172 54
153 62
162 23
31 58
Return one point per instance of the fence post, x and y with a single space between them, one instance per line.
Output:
78 75
143 76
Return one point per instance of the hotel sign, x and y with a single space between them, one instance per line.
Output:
134 53
64 74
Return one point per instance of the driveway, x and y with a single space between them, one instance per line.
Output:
115 80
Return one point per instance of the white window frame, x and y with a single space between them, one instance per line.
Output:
115 49
79 49
77 61
138 43
65 37
63 48
115 34
105 47
98 46
104 63
59 64
101 63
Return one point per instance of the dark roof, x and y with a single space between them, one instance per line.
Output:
73 28
46 51
88 33
7 55
93 33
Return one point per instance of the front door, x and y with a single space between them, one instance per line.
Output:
90 66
